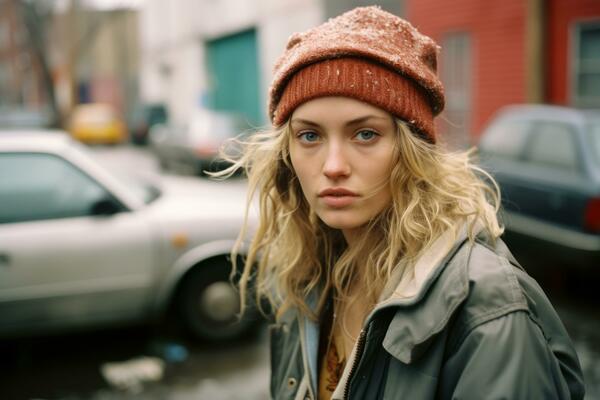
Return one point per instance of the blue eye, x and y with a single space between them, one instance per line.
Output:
366 135
308 137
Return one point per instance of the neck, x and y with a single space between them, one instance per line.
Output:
352 235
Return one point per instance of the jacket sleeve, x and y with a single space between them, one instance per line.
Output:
508 358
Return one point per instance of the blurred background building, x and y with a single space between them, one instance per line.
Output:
501 52
188 54
219 53
20 80
216 54
95 57
56 54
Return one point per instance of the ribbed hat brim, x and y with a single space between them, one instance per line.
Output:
363 80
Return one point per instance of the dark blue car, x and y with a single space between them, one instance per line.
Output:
547 162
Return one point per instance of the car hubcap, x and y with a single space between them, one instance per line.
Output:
219 301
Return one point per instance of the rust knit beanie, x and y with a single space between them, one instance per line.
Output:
367 54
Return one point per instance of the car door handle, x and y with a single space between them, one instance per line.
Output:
4 260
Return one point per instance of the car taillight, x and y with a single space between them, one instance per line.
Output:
592 215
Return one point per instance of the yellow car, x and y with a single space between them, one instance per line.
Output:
97 123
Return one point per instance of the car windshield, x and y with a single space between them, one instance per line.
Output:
139 186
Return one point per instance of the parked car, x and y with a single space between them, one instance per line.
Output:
143 118
546 160
82 247
97 123
194 147
25 118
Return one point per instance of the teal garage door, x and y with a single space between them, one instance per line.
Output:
233 75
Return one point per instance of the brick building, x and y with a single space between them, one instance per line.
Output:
512 51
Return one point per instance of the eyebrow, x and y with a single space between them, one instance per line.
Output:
351 122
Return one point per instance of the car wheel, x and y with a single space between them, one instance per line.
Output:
209 304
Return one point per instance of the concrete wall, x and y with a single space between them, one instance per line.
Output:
173 33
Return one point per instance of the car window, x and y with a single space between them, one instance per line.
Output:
37 186
553 145
594 134
139 186
506 138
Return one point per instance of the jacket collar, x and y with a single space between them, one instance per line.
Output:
421 315
424 308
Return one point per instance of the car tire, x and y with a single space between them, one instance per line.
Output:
209 304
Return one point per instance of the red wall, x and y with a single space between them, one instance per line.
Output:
560 15
498 46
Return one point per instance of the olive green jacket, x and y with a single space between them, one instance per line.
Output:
478 328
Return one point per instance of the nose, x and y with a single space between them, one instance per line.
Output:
336 164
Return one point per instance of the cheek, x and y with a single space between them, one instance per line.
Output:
301 169
383 167
304 161
382 173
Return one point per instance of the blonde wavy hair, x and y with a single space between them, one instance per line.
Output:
292 252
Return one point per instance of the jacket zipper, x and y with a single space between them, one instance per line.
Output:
360 344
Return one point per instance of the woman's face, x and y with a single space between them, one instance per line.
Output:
342 152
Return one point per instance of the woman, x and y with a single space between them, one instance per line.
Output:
379 250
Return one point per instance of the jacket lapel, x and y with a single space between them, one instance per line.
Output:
419 318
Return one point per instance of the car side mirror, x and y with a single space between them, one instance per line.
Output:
105 207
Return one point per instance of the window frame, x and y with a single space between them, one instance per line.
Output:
574 58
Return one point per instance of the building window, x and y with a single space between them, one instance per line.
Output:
586 64
456 73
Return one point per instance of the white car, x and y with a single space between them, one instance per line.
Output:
79 247
194 147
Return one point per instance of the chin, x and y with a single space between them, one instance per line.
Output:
341 221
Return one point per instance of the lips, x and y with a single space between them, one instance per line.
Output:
338 197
